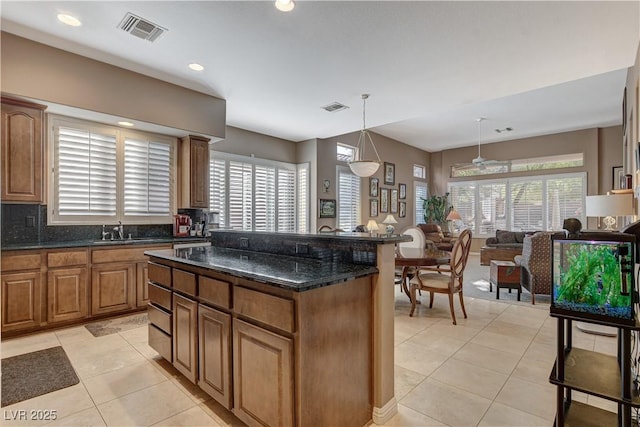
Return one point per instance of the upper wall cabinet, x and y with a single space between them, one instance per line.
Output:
22 151
194 162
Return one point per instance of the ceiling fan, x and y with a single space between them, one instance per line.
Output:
479 162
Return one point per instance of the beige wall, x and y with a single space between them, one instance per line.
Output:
392 151
34 70
247 143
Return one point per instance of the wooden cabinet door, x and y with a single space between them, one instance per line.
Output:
214 346
142 286
185 336
22 151
21 300
113 288
194 164
67 294
262 376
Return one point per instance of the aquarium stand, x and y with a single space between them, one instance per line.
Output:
597 374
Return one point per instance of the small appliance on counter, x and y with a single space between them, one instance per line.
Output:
197 221
181 225
213 222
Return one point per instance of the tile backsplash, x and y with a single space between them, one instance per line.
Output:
27 223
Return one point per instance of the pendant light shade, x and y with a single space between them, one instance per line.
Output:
285 5
362 167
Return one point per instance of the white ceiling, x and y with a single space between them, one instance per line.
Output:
431 68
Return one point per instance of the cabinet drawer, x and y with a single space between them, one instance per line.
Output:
30 261
160 296
271 310
67 259
127 254
184 281
160 274
160 342
216 292
160 318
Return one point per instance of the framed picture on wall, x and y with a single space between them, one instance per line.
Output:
384 200
403 191
373 208
403 210
389 173
394 201
373 187
327 208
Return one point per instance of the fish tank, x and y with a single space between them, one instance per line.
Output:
593 277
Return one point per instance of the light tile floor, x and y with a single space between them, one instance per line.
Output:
491 369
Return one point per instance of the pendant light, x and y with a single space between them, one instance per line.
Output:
285 5
361 167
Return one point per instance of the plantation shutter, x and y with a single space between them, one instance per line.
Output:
463 199
147 178
492 198
348 200
240 195
264 198
421 192
302 197
565 199
286 200
85 172
217 188
526 205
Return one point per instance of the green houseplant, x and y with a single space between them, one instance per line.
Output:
435 209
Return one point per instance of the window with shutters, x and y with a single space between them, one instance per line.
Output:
257 194
103 174
420 192
520 204
348 209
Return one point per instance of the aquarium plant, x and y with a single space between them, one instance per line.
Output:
591 281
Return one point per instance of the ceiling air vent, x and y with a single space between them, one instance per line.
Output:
141 28
334 106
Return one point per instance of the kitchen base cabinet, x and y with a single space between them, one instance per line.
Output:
142 289
262 376
185 336
21 300
112 288
214 349
67 294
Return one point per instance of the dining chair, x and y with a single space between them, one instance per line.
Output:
419 241
446 280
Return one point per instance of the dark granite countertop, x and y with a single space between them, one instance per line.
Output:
293 273
361 237
103 243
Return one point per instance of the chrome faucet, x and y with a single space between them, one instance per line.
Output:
106 233
120 229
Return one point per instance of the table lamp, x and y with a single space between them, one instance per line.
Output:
453 216
609 206
390 220
372 226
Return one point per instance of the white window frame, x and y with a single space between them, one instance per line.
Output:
354 152
418 213
508 208
53 217
423 171
355 201
253 161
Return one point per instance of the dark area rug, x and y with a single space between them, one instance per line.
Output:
34 374
111 326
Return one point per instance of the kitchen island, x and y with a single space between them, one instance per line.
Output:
298 332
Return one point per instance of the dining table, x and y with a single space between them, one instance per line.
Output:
413 258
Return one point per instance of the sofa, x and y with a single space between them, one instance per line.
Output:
433 233
503 247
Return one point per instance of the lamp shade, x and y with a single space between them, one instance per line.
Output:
453 215
389 220
609 205
372 225
364 168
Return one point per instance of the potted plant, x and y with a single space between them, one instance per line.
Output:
435 209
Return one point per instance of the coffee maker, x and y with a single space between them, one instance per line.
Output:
197 221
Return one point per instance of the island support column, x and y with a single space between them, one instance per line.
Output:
385 405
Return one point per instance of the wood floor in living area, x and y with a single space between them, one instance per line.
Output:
491 369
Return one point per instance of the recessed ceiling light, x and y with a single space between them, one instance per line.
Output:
69 20
127 124
285 5
196 67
